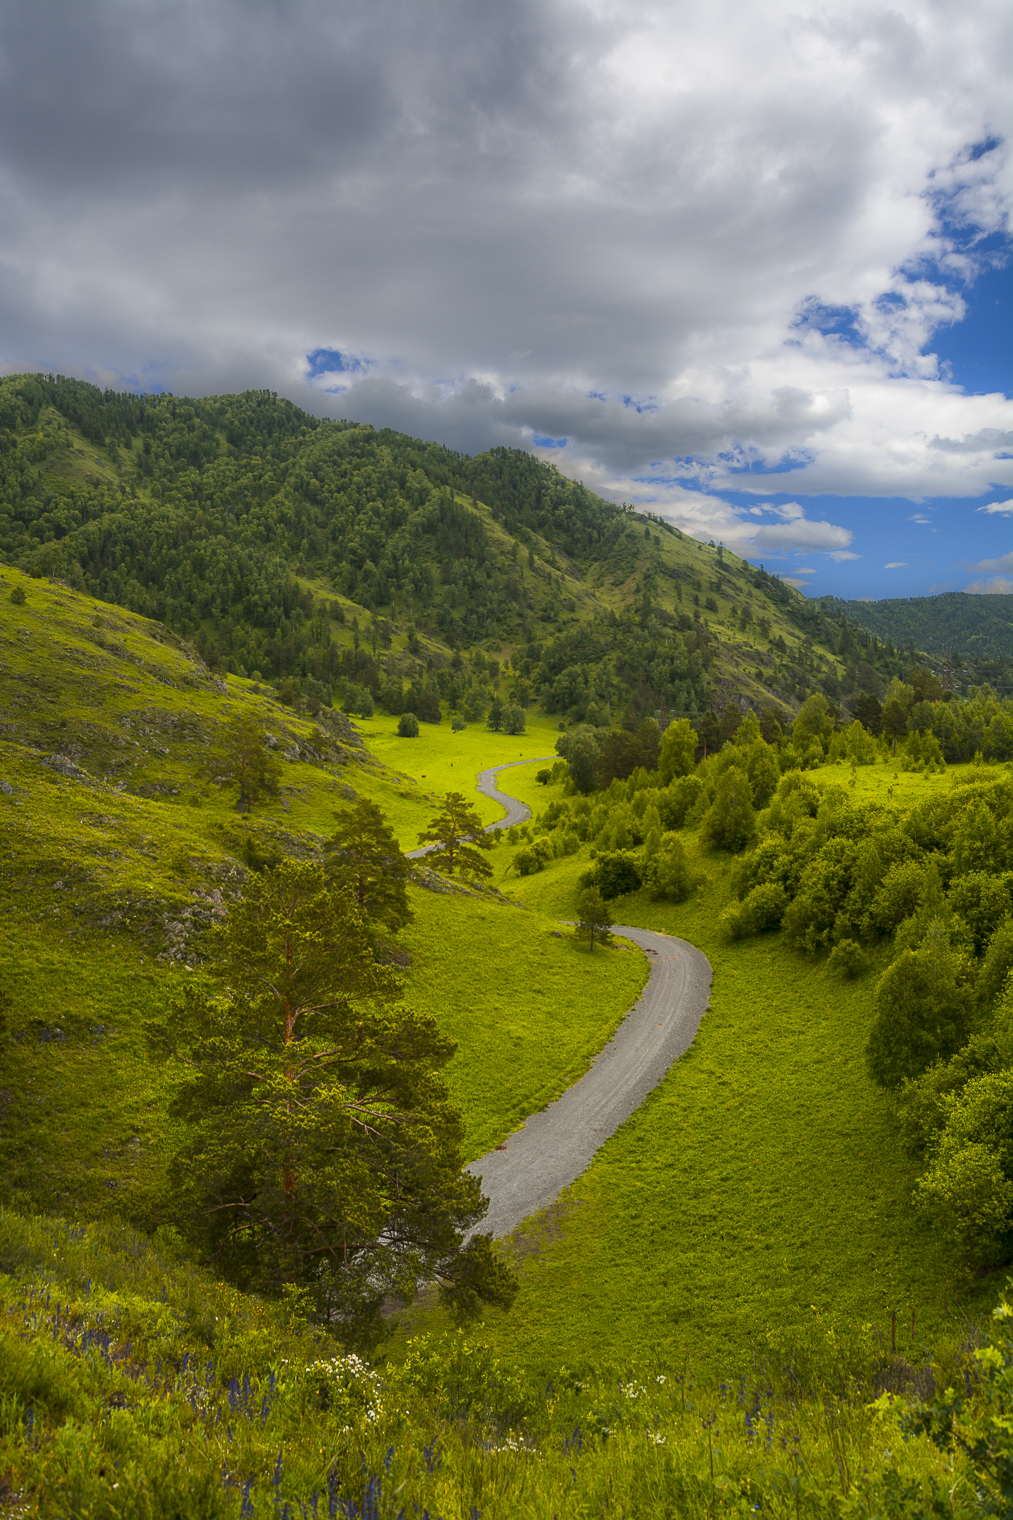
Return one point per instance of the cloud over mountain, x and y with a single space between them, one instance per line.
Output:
683 243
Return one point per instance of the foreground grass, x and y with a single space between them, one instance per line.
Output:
135 1385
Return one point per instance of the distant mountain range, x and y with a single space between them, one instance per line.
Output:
959 622
336 561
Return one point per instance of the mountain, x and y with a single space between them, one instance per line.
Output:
954 622
347 564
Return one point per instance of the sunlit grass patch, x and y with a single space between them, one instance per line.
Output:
528 1006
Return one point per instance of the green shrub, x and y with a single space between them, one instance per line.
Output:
617 872
667 872
762 908
848 959
408 726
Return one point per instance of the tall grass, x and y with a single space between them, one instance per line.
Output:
135 1385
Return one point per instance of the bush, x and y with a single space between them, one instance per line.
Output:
458 725
617 872
17 596
514 719
668 872
536 857
847 959
408 726
762 908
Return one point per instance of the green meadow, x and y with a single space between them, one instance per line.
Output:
527 1005
761 1185
440 761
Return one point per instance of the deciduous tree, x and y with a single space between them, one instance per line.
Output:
922 1012
593 921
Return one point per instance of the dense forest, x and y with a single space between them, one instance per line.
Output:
971 627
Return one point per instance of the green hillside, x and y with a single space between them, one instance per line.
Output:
728 1265
334 561
975 628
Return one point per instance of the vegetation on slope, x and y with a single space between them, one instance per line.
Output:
135 1387
335 560
973 627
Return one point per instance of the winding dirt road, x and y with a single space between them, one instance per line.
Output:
554 1146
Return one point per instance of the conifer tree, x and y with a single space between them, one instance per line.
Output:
243 758
458 835
322 1149
363 857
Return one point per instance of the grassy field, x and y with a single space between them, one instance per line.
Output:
762 1184
440 761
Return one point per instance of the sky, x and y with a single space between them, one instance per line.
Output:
743 263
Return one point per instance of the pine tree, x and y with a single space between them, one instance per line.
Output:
364 858
322 1148
458 836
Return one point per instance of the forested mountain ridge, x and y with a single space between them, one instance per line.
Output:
973 626
336 561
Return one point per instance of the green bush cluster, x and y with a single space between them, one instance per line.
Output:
936 886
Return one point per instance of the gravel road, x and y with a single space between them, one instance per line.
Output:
553 1147
556 1145
516 812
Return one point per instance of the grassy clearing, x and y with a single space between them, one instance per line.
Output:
440 761
528 1008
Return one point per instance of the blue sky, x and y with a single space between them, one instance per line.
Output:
744 262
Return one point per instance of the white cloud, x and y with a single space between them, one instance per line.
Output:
896 564
610 221
999 585
919 517
1000 565
1004 508
800 534
842 554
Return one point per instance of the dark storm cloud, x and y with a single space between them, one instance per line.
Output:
593 221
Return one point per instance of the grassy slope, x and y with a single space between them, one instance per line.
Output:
761 1185
96 875
136 1386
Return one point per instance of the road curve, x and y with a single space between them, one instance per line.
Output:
553 1147
516 812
